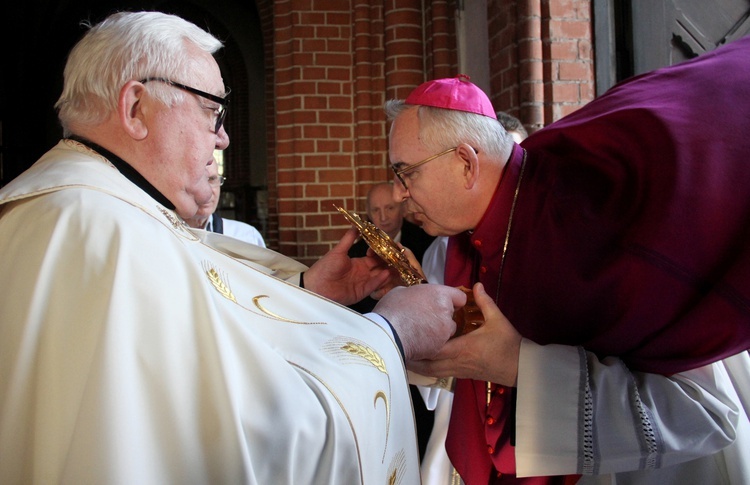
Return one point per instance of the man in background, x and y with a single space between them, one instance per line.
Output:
388 216
209 219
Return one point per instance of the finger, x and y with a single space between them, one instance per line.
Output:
458 297
442 364
375 282
347 240
485 302
413 261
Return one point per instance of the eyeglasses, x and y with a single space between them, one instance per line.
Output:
221 111
399 172
216 180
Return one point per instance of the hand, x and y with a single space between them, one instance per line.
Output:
422 316
343 279
489 353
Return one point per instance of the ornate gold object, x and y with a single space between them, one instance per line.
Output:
384 247
467 318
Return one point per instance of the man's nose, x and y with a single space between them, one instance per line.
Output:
400 193
222 139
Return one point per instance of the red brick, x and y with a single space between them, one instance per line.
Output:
317 220
562 9
328 146
574 71
335 175
563 50
565 93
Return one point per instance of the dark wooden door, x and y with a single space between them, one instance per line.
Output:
666 32
636 36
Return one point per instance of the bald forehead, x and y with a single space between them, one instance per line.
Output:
379 191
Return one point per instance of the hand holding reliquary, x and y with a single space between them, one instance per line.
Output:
467 318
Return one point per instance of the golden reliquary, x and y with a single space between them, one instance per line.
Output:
467 318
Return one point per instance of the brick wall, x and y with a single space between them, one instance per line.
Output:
333 63
541 61
568 58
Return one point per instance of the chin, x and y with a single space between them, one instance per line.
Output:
430 229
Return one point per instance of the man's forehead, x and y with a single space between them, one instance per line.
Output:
381 196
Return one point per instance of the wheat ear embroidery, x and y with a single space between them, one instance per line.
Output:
220 285
396 468
377 361
366 353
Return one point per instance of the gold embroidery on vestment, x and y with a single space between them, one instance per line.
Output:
223 287
396 468
351 351
176 223
219 284
366 353
256 301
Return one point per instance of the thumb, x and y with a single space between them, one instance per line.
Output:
485 302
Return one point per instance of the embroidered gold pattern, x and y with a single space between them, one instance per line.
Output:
366 353
356 352
223 287
219 284
176 223
381 395
396 468
275 316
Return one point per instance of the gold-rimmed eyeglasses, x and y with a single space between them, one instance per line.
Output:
398 172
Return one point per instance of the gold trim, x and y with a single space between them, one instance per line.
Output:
223 287
505 251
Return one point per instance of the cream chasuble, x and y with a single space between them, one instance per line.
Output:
134 350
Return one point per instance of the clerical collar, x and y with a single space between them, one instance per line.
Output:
127 170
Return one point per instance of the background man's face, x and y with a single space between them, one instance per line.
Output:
383 211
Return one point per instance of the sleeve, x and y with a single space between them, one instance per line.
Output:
386 325
615 420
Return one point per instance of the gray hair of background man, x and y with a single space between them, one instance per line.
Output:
443 128
511 123
127 46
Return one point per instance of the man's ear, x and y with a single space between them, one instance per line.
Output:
470 161
130 110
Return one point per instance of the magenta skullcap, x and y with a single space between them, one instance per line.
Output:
452 93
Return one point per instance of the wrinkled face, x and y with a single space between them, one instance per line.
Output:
182 138
383 211
432 187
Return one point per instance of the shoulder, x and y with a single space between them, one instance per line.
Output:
243 231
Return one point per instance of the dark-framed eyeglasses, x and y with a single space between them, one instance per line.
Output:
398 172
216 180
221 111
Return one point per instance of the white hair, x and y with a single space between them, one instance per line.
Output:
126 46
440 129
